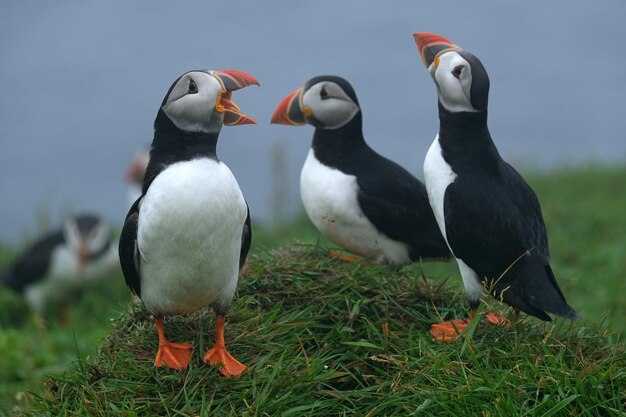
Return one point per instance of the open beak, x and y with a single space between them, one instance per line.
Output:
233 80
289 111
431 45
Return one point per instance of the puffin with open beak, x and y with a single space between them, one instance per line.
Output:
62 263
188 234
488 214
355 197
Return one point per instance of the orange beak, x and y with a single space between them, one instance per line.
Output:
133 173
289 111
430 45
82 257
233 80
137 168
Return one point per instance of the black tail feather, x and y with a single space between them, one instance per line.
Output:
531 287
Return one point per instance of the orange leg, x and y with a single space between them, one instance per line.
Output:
448 331
174 355
64 314
219 355
349 258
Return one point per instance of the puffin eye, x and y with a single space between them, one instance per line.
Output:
323 93
457 71
193 88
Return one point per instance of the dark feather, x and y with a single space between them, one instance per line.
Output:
390 197
531 287
128 250
397 204
33 265
493 219
246 239
166 147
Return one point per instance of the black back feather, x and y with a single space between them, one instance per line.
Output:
392 199
493 219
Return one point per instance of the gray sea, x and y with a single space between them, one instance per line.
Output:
81 82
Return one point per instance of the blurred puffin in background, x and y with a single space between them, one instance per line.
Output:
488 214
188 234
62 263
134 175
358 199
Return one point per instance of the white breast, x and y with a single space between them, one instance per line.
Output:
330 199
189 237
438 175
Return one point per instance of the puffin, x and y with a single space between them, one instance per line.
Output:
188 234
489 216
134 175
60 264
358 199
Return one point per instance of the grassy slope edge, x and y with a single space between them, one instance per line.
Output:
323 337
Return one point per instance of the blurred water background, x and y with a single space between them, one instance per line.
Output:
81 83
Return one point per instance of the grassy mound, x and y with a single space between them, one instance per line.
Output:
324 337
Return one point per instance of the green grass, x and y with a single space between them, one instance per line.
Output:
29 351
329 338
324 337
585 212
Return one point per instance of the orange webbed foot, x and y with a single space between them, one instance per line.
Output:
229 365
219 355
173 355
350 258
448 331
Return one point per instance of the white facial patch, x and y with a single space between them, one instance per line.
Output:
329 104
192 111
454 93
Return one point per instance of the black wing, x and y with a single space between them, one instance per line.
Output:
128 250
397 204
491 221
495 226
33 265
246 239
